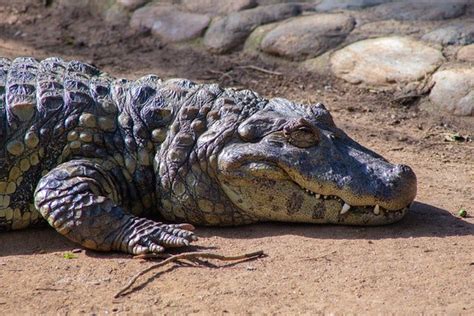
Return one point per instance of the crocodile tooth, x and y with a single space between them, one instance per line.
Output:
377 209
345 208
318 196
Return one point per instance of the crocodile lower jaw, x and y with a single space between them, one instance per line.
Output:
375 209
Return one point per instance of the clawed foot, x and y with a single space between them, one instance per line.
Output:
153 237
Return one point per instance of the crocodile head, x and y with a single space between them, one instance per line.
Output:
291 163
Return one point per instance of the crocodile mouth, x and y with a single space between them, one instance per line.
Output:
281 194
346 207
272 170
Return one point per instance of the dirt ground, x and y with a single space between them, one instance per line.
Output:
423 264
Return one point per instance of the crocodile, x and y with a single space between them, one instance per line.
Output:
132 165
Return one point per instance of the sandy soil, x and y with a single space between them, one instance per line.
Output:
424 264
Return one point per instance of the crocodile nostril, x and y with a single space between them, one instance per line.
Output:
404 170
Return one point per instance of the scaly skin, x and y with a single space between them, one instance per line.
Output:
98 157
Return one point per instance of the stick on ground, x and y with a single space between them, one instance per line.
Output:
189 256
270 72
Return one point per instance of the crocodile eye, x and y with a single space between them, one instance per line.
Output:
301 134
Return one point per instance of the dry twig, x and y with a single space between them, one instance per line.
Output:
270 72
189 256
221 73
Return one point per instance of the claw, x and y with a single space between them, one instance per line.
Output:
156 248
140 250
153 237
173 241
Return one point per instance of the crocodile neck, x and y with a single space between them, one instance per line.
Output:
198 126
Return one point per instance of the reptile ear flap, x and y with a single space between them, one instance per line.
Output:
314 109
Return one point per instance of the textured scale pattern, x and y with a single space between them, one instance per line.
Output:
58 117
41 103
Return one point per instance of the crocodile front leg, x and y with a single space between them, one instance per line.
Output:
76 199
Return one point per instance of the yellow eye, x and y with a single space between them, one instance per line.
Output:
301 133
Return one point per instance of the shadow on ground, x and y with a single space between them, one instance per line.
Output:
422 221
33 241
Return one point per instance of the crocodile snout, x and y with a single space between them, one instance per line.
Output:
404 171
402 183
407 182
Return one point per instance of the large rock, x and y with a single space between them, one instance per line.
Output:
385 61
255 38
319 65
466 53
180 26
453 90
329 5
168 23
457 34
229 32
425 10
386 28
268 2
117 15
145 17
92 6
217 7
307 36
131 5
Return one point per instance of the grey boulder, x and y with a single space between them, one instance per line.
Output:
229 32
